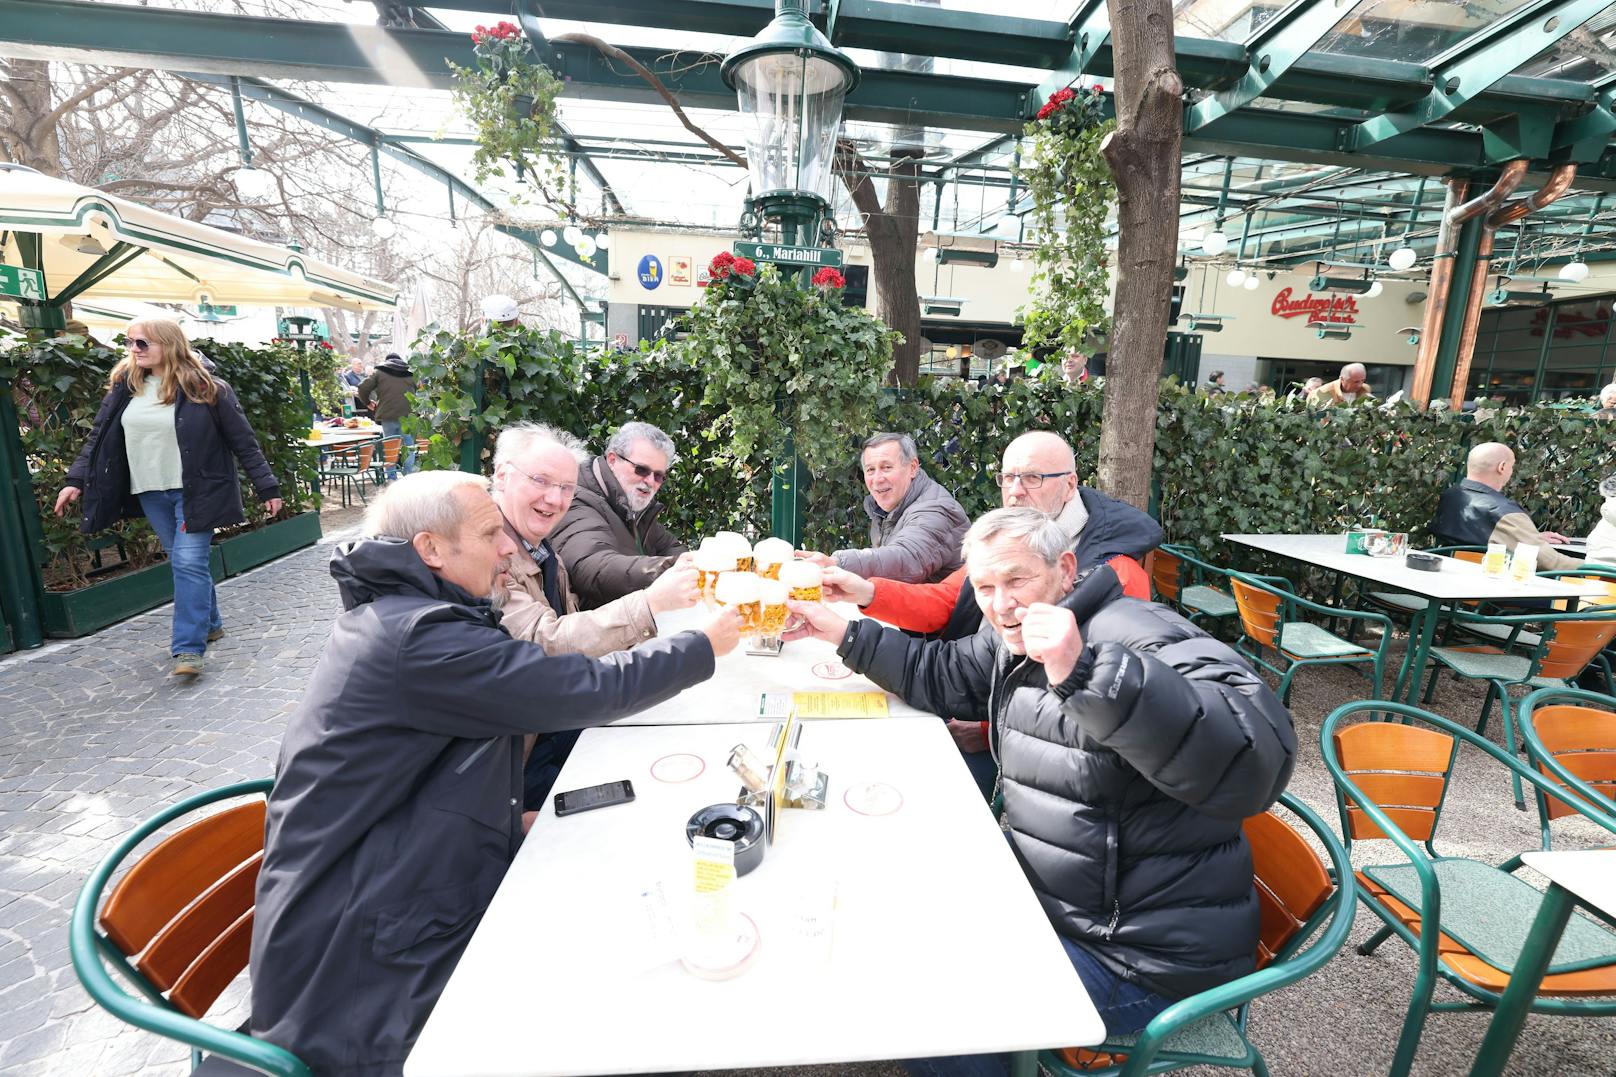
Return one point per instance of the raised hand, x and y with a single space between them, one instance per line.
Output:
1051 636
678 588
842 586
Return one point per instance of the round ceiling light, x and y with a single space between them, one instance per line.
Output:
548 237
1251 282
1215 243
1575 272
253 184
384 228
1236 277
1402 258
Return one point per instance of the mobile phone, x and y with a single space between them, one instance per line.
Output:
596 796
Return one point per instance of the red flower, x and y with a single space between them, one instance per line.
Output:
1056 102
506 29
829 278
1098 88
745 266
721 264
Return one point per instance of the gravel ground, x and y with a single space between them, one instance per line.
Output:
94 736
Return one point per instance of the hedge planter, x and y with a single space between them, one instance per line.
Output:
254 548
70 614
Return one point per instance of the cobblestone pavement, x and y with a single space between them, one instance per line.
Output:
95 736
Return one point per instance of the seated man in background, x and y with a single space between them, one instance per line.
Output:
397 800
1349 388
1475 512
535 477
1132 746
610 538
915 524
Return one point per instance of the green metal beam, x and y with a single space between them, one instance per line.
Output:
1479 61
1273 50
934 31
103 267
1089 33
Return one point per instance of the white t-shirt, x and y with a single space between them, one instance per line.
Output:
150 441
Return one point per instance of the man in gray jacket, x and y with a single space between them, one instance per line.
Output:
915 524
397 800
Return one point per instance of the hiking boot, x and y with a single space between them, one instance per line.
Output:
187 665
215 635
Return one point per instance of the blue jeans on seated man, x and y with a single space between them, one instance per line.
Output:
394 428
543 766
196 604
1123 1006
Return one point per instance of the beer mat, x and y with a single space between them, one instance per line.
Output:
832 671
839 704
678 768
873 798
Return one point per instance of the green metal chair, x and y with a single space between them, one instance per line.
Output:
1299 895
1570 735
177 926
1566 644
1271 620
1181 579
1391 780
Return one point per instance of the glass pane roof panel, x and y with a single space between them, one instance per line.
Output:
1584 55
1223 20
1412 30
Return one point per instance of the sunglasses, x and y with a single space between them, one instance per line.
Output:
643 472
139 344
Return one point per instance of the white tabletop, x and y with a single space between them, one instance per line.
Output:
1590 874
1456 580
731 694
937 943
334 437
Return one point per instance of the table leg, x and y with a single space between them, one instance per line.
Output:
1418 654
1024 1064
1524 981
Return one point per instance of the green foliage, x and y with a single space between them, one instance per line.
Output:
57 385
509 99
324 366
1072 191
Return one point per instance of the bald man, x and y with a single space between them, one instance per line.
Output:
1349 388
1475 512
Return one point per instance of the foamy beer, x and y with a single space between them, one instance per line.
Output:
739 550
741 590
768 555
772 595
805 579
709 562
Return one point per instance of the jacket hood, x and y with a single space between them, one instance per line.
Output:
918 489
1094 589
1114 527
396 367
368 569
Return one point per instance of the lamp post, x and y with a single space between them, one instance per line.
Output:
302 336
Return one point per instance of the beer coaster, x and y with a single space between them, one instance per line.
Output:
727 956
832 671
678 768
873 798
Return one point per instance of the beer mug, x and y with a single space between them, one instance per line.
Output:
772 596
741 591
1524 564
805 579
1493 562
768 555
710 562
736 546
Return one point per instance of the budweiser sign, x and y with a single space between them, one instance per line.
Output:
1328 308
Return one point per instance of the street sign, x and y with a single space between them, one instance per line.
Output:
794 257
22 283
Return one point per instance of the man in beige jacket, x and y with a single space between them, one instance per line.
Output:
535 476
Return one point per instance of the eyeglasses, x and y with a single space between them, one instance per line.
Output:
565 489
1030 480
139 344
643 472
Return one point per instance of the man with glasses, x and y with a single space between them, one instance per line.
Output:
610 539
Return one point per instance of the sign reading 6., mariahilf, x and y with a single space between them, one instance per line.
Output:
791 257
22 283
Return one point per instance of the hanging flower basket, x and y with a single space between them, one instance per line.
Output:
509 98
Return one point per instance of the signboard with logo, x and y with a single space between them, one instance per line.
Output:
704 277
1341 309
679 270
791 257
22 283
650 272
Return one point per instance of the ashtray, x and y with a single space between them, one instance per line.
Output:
733 823
1425 562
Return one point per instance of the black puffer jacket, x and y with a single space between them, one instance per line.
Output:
1126 784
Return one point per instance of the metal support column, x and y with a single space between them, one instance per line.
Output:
1453 314
22 589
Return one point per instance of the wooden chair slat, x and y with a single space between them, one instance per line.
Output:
1276 925
1402 790
177 871
221 962
1259 612
188 934
1166 572
1574 645
1567 728
1417 823
1389 746
1287 866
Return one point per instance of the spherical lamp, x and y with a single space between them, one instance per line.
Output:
253 184
1251 282
548 237
1402 258
603 240
572 234
383 228
1375 289
1215 243
585 247
1236 277
1574 272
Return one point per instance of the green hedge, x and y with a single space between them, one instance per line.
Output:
57 385
1228 463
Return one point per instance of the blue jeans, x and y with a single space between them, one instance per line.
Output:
1124 1007
196 604
394 428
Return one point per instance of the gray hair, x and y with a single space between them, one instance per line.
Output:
1608 392
629 433
424 501
905 443
1037 531
515 440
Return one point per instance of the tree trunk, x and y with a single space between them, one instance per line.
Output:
1143 153
892 232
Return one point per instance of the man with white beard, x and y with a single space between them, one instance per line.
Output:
610 539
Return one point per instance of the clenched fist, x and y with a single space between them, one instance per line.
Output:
724 631
1051 636
679 588
842 586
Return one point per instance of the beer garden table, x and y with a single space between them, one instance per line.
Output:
1457 581
565 976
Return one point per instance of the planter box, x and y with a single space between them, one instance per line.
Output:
70 614
267 543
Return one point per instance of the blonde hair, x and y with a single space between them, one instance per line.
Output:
181 369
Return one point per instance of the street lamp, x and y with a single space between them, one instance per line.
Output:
790 82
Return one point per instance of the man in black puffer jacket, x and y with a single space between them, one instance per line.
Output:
1131 746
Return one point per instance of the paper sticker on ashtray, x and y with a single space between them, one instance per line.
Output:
873 798
677 768
832 671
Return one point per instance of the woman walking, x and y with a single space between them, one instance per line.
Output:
165 443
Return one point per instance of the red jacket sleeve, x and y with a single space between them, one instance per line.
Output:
918 607
1135 582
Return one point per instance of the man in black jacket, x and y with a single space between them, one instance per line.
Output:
397 801
1131 746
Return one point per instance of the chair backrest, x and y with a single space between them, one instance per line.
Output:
366 451
1606 584
1260 611
1291 881
183 913
1572 644
391 447
1166 573
1583 741
1402 769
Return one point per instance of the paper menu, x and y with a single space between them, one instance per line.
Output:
823 705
